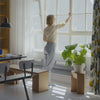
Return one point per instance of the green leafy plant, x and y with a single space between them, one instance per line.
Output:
70 54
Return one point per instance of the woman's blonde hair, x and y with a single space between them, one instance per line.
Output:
50 19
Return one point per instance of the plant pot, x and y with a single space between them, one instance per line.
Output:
78 68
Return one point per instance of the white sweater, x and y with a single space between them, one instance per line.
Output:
50 33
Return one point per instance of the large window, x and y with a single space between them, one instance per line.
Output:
82 15
36 18
78 30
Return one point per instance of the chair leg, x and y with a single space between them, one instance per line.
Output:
25 89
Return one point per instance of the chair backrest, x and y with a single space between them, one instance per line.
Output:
26 64
4 68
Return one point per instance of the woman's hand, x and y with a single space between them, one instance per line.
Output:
68 17
70 14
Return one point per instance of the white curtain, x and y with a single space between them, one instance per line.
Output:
22 33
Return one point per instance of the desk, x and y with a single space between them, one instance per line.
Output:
8 58
40 76
11 57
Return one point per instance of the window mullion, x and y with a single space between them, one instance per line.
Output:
57 10
86 19
70 26
85 13
45 11
81 13
57 18
70 23
40 13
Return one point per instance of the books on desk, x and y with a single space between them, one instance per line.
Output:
2 56
12 55
9 55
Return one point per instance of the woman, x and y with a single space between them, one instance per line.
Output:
50 34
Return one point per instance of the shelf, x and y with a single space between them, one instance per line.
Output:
4 33
5 49
2 38
2 4
2 15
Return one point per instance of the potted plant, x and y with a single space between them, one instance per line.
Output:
74 57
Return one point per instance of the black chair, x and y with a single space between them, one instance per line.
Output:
23 65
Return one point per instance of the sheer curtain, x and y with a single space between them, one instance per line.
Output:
25 37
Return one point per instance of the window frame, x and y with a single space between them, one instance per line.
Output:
71 32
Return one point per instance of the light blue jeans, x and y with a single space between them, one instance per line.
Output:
49 54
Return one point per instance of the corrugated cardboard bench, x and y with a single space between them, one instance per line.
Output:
40 81
78 82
